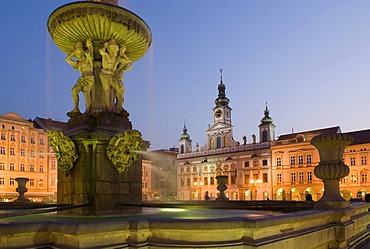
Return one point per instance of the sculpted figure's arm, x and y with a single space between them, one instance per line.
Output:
102 50
71 62
90 48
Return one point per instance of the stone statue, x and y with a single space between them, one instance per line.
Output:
83 61
122 149
254 138
64 149
197 147
244 140
109 53
123 63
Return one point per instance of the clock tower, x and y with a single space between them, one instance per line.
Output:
222 110
220 134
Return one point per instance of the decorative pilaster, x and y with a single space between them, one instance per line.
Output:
331 167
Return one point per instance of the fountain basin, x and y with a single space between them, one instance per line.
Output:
191 228
78 21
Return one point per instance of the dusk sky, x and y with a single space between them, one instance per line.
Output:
310 60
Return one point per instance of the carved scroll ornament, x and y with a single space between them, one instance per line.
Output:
122 149
64 149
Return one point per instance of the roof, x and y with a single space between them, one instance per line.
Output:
50 124
359 137
308 135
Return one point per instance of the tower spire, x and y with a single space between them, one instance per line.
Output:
221 75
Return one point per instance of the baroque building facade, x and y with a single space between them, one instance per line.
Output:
247 165
25 152
275 169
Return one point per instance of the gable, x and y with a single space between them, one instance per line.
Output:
13 116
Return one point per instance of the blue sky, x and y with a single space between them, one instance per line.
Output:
309 59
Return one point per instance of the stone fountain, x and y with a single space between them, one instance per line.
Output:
98 166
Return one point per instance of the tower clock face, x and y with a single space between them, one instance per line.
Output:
218 114
227 114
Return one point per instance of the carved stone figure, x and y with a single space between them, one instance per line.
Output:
123 63
83 61
109 53
122 149
64 149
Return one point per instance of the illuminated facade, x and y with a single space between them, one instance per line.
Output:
24 152
281 169
247 165
294 159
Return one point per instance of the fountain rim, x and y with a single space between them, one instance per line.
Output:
97 4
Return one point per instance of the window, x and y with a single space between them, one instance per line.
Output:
293 177
246 179
187 169
212 180
255 163
32 140
53 165
264 136
41 183
264 177
300 159
233 179
188 181
363 177
12 151
353 178
23 152
292 160
195 169
32 182
308 159
12 182
246 164
343 180
22 167
278 161
279 177
52 181
41 141
32 153
3 136
2 150
2 166
41 168
11 166
23 139
353 161
2 181
32 168
363 160
41 154
301 176
264 162
218 142
12 137
205 180
182 183
309 176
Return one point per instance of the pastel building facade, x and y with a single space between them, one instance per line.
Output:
25 152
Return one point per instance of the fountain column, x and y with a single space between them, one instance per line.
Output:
331 167
97 159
